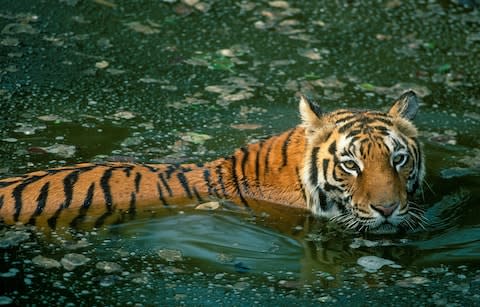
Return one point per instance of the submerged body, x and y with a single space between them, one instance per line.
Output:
357 167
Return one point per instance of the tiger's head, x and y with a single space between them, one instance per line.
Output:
362 167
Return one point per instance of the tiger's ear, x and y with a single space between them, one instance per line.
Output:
310 112
405 106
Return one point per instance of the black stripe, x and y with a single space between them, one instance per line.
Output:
332 149
165 184
68 183
41 201
160 195
101 220
384 120
17 194
285 148
314 167
354 133
1 201
328 186
138 178
89 198
133 204
235 181
325 169
267 156
346 118
197 195
105 185
218 171
82 212
4 184
206 177
244 178
150 168
171 169
127 171
323 200
183 181
347 126
300 183
257 164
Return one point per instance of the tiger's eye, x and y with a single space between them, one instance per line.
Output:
350 164
399 159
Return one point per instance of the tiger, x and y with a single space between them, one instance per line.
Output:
358 168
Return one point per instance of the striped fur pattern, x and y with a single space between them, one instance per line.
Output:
359 168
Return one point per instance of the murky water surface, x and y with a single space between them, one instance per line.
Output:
193 80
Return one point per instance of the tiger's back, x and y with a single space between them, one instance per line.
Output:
71 194
360 168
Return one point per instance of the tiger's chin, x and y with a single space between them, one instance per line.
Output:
384 228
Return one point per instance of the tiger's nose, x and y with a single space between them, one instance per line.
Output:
387 210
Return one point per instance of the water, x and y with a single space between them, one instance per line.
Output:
137 80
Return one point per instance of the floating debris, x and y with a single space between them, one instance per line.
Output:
279 4
141 28
12 272
194 137
132 141
13 238
170 255
17 28
5 301
246 126
102 64
312 54
213 205
45 262
10 140
412 282
72 261
108 267
395 90
372 264
62 150
10 42
124 115
28 129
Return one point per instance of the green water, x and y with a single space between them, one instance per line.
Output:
136 80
